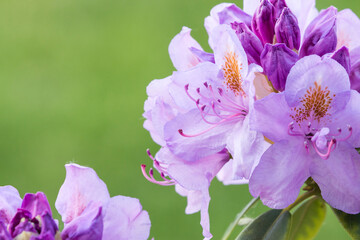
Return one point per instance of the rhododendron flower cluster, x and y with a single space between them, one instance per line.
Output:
275 105
87 210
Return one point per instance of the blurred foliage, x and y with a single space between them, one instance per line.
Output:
73 76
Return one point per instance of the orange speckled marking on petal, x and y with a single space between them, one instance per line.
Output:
316 104
233 78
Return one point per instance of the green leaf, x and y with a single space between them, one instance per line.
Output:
351 222
272 225
307 219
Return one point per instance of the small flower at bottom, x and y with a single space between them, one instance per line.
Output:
87 211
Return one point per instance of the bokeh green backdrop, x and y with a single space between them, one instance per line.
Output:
72 85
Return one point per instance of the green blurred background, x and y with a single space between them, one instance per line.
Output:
73 77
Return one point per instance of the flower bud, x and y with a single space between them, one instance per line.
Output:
250 42
320 36
277 60
279 5
263 22
342 56
287 30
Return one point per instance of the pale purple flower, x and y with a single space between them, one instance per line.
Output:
315 129
88 211
198 115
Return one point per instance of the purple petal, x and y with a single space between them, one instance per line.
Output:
279 5
304 11
224 13
347 24
246 147
277 60
48 228
4 234
81 186
342 56
326 73
355 69
10 201
348 117
205 142
87 226
320 36
124 219
287 30
263 22
339 178
227 176
250 42
271 117
282 171
203 56
37 204
194 199
179 50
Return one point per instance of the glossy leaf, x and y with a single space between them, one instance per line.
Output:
307 219
272 225
351 222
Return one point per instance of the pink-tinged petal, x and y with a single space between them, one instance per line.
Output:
339 178
87 226
206 139
250 6
326 73
194 199
348 117
347 26
124 219
226 174
282 171
81 186
271 117
227 44
305 11
10 201
246 147
4 233
224 13
179 50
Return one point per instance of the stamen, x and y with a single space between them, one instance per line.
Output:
150 177
348 136
291 131
210 128
329 150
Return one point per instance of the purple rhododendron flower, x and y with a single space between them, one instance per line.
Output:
315 129
87 211
199 114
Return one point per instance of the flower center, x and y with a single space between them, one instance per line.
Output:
316 104
233 78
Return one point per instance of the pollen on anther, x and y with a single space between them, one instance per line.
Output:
233 78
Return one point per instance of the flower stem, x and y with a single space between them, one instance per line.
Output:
300 199
238 217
